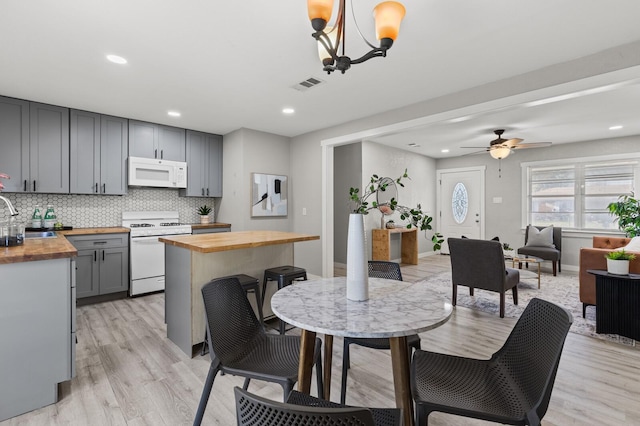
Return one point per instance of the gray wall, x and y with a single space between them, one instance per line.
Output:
306 152
248 151
347 174
504 220
419 189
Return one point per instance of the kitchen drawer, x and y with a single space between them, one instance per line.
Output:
84 242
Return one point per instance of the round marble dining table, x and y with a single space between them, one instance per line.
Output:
394 310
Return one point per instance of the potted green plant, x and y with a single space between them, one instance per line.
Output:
627 213
204 211
416 217
618 262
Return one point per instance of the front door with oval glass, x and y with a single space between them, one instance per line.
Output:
460 198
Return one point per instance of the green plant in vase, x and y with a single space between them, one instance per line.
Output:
415 216
204 211
620 255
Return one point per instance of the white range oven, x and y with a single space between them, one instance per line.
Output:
146 261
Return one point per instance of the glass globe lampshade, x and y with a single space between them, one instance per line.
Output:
500 152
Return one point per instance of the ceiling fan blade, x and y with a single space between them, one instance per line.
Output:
475 147
476 153
531 145
512 142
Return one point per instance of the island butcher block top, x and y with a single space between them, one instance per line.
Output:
224 241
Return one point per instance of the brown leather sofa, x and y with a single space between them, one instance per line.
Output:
593 258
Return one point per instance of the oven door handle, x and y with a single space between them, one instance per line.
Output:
145 240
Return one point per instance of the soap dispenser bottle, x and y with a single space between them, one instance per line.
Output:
49 217
36 218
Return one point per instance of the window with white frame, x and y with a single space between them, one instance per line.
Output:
574 193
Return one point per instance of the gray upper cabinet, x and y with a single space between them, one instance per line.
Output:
34 140
150 140
14 142
48 149
99 147
204 165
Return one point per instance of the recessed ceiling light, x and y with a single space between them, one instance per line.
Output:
288 110
615 127
414 145
444 150
174 113
117 59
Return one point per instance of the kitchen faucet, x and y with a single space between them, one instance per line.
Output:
12 210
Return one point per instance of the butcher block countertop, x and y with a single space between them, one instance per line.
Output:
92 231
225 241
38 249
50 248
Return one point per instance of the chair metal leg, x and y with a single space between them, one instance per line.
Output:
245 386
345 367
208 384
319 380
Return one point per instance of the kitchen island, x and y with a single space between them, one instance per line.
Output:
194 260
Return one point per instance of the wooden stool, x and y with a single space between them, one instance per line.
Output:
249 285
284 275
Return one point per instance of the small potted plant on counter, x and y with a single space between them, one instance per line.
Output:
204 211
618 262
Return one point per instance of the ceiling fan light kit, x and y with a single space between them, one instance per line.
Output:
387 15
500 148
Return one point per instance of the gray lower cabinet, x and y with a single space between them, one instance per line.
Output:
204 165
102 264
34 141
99 149
149 140
37 331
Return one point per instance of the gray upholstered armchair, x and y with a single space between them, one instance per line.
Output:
552 252
480 264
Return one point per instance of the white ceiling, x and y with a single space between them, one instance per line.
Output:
232 64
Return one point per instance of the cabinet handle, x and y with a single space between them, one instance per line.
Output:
155 153
203 192
96 187
104 188
103 255
99 242
207 192
95 256
25 185
162 154
34 186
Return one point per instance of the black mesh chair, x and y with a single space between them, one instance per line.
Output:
240 346
377 269
302 409
512 387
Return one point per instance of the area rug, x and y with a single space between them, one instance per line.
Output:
561 289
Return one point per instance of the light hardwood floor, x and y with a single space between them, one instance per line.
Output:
128 372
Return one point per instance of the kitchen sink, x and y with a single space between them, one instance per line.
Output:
40 234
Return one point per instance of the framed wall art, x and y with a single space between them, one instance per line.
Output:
268 195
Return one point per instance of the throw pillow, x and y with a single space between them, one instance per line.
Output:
540 238
634 245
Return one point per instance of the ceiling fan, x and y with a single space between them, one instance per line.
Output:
500 148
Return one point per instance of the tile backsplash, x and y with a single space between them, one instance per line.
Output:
84 211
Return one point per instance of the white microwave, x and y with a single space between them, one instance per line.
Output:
157 173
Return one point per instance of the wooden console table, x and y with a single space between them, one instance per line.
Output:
617 304
381 243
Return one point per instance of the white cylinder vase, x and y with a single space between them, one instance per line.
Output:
357 265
